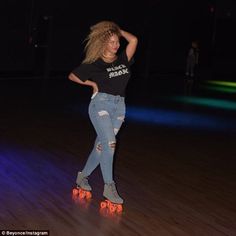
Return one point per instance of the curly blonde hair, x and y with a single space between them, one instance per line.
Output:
97 38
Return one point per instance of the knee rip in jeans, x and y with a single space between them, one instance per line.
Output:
103 113
99 147
112 144
122 118
116 131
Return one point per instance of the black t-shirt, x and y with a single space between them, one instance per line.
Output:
111 78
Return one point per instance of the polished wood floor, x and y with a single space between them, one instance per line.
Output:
175 181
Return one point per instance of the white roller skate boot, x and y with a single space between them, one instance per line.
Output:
113 201
83 189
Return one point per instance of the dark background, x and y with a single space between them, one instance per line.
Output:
45 37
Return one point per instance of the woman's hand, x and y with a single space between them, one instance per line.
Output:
132 43
95 88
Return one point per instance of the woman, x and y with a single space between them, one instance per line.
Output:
107 72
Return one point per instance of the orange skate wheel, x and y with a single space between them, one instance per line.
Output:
119 208
82 194
103 205
112 208
88 195
108 203
75 191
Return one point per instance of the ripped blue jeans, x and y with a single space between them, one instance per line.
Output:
107 113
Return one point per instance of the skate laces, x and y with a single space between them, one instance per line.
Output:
114 191
85 181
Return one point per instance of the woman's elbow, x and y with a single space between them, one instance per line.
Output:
71 76
74 78
135 39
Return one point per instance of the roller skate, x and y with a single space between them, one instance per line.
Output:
83 189
113 202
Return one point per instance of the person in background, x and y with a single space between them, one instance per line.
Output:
192 59
191 67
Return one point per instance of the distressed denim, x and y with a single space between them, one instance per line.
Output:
107 113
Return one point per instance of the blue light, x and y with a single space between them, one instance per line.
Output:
16 162
173 118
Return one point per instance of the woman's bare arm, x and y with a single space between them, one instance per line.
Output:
76 79
132 43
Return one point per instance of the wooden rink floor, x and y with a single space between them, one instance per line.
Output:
174 181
